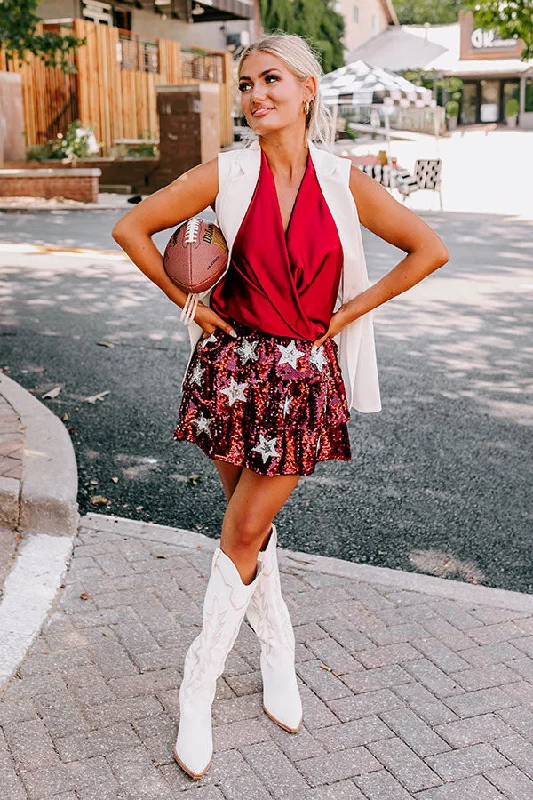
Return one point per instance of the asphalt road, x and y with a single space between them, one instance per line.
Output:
440 479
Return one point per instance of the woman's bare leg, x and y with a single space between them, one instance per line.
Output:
229 475
255 501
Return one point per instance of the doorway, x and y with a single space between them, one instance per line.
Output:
469 104
510 91
484 100
490 101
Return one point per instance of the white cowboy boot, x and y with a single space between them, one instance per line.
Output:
269 617
225 603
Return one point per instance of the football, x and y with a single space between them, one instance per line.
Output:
196 255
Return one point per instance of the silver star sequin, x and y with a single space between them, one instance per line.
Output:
318 444
235 391
196 374
266 447
202 424
286 405
317 357
289 354
211 338
246 350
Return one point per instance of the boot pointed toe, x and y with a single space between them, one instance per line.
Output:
192 766
193 749
292 725
281 696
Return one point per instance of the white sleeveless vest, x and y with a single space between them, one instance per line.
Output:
238 172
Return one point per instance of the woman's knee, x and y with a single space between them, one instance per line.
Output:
247 532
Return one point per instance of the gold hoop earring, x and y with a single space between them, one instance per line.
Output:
306 107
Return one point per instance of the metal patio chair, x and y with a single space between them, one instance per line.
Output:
427 175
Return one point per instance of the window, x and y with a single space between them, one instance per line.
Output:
122 19
529 95
374 22
356 14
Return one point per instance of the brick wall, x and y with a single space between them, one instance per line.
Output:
74 184
133 173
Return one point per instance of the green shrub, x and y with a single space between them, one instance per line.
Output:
141 151
452 108
351 134
36 152
512 107
52 149
78 142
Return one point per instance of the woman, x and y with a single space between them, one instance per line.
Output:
267 390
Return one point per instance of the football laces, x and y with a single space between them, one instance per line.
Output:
191 230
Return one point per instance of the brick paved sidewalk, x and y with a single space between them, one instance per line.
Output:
405 693
11 444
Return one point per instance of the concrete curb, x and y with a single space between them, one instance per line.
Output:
47 520
296 560
28 594
49 475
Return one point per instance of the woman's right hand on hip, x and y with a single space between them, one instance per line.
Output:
209 320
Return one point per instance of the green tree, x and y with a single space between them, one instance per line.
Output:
276 14
509 19
436 12
19 36
315 20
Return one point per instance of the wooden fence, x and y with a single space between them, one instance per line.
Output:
49 96
114 86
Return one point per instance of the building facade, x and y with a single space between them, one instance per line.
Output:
365 19
490 68
492 74
215 25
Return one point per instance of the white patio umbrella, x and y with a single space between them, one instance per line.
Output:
360 83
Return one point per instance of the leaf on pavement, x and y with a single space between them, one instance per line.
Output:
98 500
94 397
105 344
53 392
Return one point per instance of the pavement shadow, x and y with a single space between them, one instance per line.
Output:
451 450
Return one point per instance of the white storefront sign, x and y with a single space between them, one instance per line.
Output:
487 40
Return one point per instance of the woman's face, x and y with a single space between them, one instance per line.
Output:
272 97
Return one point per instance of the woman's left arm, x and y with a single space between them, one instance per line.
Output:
383 215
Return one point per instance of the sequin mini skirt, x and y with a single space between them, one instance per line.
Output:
269 403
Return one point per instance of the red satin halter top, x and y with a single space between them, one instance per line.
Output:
283 283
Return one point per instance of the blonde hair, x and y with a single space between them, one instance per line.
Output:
303 62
